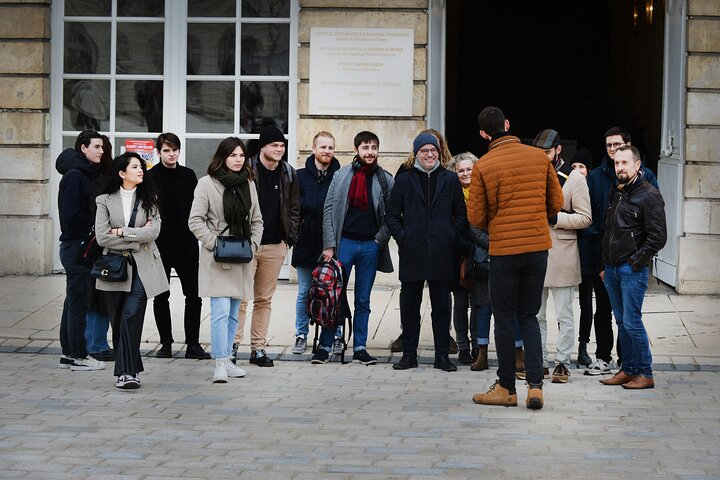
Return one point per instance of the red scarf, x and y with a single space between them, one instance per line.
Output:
357 195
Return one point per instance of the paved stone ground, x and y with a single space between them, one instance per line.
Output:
298 421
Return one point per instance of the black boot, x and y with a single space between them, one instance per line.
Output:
407 361
583 358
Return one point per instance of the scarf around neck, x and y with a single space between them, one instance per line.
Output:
357 195
236 201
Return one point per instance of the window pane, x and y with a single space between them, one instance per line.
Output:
210 107
211 49
266 8
146 8
86 105
88 8
133 52
265 49
87 47
198 153
211 8
262 104
139 106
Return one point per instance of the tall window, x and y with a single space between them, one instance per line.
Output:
203 69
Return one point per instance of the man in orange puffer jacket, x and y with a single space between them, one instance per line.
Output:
513 192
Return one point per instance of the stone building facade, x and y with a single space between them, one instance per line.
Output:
28 181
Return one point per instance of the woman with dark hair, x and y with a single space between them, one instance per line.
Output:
128 222
225 201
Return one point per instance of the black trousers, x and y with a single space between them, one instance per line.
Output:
410 300
127 314
78 293
516 283
184 258
602 318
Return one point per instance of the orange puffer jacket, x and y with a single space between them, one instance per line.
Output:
514 189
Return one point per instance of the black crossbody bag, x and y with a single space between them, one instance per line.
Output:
113 267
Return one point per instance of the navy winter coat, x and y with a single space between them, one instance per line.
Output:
313 191
427 230
76 195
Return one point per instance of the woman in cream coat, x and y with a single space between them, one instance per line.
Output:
227 191
118 232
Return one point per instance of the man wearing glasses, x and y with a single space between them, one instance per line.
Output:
600 181
426 216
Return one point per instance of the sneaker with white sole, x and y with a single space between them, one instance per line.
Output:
560 374
65 361
128 382
220 375
87 363
233 370
338 346
300 346
598 367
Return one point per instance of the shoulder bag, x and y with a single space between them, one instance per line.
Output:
112 267
229 249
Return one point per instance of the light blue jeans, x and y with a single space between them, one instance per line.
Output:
96 330
223 324
302 321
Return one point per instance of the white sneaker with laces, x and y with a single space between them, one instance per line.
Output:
221 374
65 361
300 346
87 363
128 382
598 367
233 370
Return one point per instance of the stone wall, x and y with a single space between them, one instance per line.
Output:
699 248
26 234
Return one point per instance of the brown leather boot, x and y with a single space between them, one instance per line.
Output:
519 363
497 395
620 378
481 362
640 382
534 399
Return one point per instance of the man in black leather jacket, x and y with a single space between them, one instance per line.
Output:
635 230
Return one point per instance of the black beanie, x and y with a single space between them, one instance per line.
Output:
583 156
269 135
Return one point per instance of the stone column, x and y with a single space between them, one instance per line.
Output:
26 234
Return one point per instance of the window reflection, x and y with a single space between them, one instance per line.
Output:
133 54
211 49
87 48
139 105
265 49
86 105
198 153
263 104
210 107
266 8
145 8
87 8
211 8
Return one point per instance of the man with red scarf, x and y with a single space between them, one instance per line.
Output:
354 232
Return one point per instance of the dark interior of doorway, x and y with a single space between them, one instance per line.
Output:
577 67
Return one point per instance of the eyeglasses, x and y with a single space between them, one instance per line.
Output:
615 145
426 151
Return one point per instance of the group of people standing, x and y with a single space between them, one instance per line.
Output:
538 216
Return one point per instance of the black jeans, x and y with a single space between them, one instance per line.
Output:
602 318
410 300
516 283
78 295
185 261
127 314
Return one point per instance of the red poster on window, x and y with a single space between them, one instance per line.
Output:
145 148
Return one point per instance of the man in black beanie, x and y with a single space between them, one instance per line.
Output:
279 197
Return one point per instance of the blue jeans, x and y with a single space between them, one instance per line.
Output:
626 289
223 324
302 321
96 329
482 337
363 255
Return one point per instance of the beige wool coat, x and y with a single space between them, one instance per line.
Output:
563 267
139 241
207 220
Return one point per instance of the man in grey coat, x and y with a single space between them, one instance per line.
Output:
354 232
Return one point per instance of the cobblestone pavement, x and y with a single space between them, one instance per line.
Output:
299 421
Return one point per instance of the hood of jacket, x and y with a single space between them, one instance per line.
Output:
72 159
312 168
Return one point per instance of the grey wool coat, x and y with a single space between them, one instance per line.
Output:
207 220
139 241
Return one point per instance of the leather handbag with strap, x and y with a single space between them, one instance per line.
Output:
229 249
111 266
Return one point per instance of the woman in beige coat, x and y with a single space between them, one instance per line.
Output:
127 221
225 197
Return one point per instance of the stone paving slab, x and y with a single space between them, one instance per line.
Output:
298 421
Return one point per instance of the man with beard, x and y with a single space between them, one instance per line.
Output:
635 230
354 232
314 181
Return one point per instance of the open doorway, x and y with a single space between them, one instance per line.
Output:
577 67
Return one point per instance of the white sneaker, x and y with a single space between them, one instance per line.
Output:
65 361
87 363
221 373
233 370
598 367
128 382
300 346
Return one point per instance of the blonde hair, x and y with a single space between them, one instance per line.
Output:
460 157
445 155
322 133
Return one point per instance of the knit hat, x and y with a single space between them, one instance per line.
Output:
424 139
583 156
546 139
269 135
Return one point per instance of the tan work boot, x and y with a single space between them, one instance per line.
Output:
519 363
480 362
620 378
534 399
497 395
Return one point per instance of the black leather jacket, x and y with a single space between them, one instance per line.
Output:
635 228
